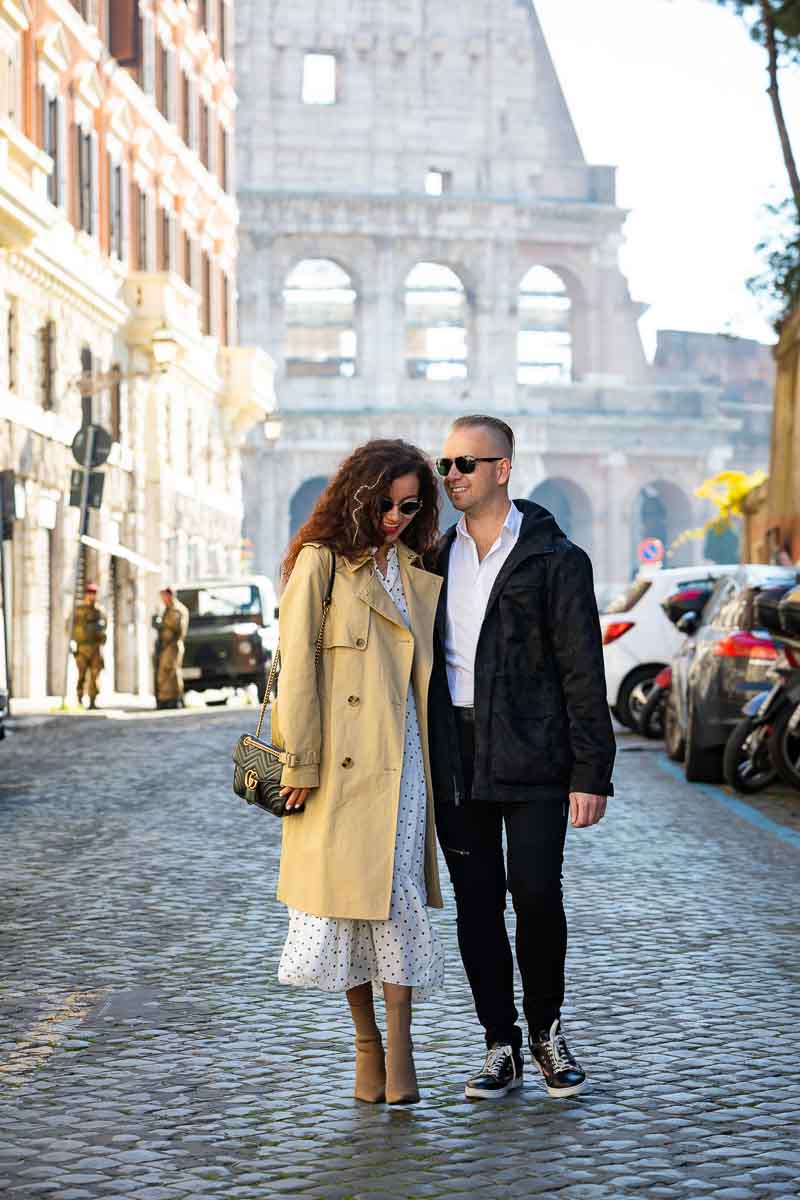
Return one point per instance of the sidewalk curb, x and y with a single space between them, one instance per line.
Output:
791 836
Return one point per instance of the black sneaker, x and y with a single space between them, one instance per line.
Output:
501 1073
562 1074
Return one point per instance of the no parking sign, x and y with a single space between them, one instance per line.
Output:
650 551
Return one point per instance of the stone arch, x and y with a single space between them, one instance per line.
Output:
544 328
303 501
571 507
436 311
320 302
663 510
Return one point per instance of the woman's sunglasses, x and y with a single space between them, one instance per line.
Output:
407 507
465 464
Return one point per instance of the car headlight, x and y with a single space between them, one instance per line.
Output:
246 646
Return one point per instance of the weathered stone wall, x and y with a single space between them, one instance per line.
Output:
469 91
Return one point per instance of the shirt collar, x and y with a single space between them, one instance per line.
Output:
510 529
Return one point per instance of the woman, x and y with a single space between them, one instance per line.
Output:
358 861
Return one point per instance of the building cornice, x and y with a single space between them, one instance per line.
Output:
467 218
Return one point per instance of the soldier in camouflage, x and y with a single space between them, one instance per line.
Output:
89 637
171 624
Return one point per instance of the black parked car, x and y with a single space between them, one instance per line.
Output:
725 656
233 632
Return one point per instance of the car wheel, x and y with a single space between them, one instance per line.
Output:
633 693
784 747
701 764
746 762
674 741
651 717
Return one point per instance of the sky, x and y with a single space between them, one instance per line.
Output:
673 93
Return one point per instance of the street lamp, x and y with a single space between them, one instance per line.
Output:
163 348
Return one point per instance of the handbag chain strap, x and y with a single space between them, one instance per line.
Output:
276 662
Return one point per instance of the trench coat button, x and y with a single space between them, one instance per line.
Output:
347 762
360 643
353 701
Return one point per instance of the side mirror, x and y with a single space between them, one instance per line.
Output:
688 623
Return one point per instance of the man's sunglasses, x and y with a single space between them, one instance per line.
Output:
407 507
465 464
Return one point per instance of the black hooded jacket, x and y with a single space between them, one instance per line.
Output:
542 725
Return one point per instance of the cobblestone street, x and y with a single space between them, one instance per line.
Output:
147 1050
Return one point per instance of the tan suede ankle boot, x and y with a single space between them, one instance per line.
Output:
401 1075
370 1085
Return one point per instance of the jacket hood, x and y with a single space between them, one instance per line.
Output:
539 530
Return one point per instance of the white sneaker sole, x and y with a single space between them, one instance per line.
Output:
563 1093
474 1093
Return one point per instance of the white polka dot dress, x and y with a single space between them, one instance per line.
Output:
335 953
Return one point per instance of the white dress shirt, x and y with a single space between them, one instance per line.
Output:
469 585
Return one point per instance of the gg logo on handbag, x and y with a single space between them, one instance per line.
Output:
250 780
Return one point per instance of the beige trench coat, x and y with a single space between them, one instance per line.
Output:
343 727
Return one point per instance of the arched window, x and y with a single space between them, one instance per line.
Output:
319 304
436 333
571 507
302 502
663 511
544 336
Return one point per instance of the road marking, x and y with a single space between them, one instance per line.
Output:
735 805
44 1038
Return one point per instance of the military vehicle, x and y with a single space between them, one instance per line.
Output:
233 632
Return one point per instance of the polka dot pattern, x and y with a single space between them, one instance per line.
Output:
334 953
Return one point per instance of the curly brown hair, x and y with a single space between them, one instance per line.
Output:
346 517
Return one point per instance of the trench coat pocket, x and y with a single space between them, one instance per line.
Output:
348 629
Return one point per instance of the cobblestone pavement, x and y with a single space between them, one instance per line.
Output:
146 1049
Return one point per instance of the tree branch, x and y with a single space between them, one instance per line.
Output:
768 17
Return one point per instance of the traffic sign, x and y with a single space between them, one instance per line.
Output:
94 496
103 442
650 550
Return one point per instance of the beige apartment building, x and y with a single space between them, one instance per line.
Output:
118 249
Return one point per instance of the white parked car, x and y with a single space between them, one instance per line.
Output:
638 639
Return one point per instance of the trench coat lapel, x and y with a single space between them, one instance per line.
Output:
373 593
421 590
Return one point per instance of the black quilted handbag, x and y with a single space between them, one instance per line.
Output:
257 765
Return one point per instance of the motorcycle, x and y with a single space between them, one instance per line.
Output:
747 763
650 718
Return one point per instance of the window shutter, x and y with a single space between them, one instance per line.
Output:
94 181
192 122
169 85
148 55
125 206
60 125
123 32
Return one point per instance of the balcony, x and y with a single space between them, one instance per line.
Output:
25 211
161 300
248 396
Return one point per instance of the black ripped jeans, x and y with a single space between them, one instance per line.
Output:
471 837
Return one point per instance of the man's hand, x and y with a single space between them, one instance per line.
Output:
586 809
295 797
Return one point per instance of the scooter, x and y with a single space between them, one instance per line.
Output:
766 742
650 719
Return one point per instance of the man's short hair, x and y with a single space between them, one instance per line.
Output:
503 431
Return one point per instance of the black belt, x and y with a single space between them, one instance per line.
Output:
465 716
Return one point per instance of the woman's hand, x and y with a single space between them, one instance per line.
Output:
295 797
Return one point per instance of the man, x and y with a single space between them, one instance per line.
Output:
89 636
520 737
172 625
